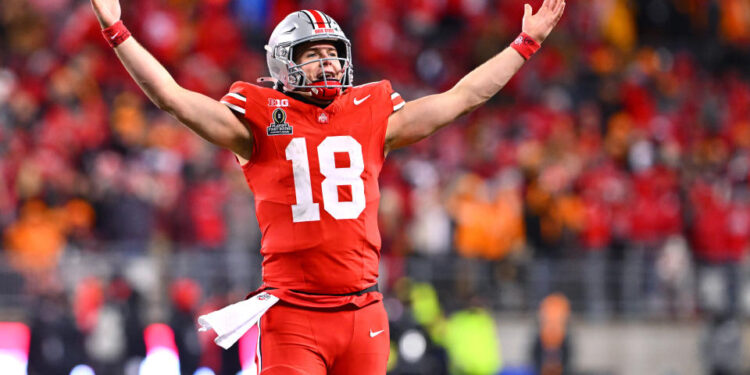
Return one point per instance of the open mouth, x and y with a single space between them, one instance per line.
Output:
328 76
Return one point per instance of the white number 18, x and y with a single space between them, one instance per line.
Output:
305 209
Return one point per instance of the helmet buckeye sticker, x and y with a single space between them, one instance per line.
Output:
279 125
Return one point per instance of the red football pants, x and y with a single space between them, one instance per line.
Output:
336 341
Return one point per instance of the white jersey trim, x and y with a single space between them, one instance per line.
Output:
237 96
234 107
398 106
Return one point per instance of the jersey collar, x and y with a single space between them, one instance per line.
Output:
331 108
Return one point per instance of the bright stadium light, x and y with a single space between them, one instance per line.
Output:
204 371
14 348
161 351
12 363
412 346
82 370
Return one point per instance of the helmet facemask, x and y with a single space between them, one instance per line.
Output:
324 87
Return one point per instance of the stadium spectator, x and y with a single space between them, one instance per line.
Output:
56 343
552 347
186 296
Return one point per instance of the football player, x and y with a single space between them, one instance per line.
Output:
311 148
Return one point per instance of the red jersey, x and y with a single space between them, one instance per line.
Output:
314 173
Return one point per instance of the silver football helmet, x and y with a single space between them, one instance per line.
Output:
302 27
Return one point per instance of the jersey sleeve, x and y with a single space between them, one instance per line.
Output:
244 99
396 101
236 98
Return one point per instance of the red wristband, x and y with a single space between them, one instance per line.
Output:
116 34
525 45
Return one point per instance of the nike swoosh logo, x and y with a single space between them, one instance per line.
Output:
373 334
115 36
359 101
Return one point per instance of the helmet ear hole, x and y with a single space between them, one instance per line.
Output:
296 79
281 52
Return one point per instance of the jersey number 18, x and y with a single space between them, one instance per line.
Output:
306 209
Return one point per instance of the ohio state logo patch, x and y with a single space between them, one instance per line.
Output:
279 125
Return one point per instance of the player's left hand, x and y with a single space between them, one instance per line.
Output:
107 11
539 25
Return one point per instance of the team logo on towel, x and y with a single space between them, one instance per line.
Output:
279 125
263 296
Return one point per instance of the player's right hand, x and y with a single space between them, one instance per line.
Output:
107 11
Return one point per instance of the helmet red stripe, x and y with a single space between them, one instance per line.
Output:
325 18
319 19
309 16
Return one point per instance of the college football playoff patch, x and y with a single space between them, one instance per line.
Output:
279 125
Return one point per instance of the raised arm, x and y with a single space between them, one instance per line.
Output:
424 116
205 116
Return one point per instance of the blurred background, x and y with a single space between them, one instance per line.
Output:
592 218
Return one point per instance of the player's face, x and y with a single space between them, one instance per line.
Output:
320 50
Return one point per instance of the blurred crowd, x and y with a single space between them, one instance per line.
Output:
624 145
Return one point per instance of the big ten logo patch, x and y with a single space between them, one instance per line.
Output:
273 102
279 125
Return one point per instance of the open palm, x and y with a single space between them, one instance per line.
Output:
539 25
107 11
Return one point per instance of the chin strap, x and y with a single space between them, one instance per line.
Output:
320 91
303 93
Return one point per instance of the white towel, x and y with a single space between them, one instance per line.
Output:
231 322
